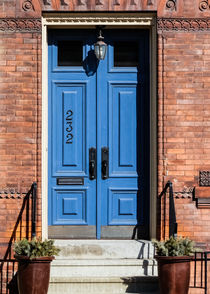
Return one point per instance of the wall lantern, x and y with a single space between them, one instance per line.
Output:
100 46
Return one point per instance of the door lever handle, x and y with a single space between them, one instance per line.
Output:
104 169
91 169
105 163
92 163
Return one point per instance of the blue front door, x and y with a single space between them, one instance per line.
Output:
98 135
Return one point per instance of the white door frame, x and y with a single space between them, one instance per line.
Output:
90 20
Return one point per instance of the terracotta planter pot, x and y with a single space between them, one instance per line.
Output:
33 274
174 274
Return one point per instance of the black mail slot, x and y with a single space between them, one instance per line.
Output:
70 181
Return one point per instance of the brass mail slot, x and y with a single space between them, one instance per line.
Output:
70 181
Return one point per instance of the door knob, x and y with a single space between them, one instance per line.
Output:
105 163
92 163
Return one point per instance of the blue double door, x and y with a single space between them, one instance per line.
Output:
98 135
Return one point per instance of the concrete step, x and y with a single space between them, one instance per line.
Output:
103 267
103 285
103 249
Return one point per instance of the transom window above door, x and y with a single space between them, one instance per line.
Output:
70 53
126 54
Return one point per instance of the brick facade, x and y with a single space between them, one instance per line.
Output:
184 76
183 102
20 122
183 99
183 54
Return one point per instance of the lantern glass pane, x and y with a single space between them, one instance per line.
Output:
96 49
102 51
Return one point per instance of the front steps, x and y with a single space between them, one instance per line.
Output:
106 267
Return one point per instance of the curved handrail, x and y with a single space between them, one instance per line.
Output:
172 211
27 214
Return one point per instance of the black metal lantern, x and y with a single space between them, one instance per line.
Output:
100 47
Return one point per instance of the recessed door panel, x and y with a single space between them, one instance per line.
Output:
70 206
122 129
69 137
122 207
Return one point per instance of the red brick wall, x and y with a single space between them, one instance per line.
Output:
20 119
183 115
183 111
184 133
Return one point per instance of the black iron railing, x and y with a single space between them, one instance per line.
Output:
172 212
25 227
34 201
201 260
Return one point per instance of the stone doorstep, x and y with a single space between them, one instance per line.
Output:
103 262
105 249
103 268
81 280
103 285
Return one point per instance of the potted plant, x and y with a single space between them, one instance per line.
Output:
34 258
173 257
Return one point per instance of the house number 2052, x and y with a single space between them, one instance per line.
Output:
69 127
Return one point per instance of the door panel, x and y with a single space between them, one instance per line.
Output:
70 206
69 125
122 206
122 130
98 135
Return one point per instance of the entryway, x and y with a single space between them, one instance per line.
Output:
98 138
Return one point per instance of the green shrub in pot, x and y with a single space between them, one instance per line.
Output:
35 248
175 247
174 257
34 258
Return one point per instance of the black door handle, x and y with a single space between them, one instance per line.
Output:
92 169
105 163
104 167
92 163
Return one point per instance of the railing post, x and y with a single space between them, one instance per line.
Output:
34 198
201 269
172 213
206 276
195 269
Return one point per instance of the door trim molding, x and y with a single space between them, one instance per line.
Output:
69 19
88 20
